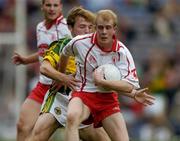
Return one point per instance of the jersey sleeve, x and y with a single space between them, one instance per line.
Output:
63 29
128 69
71 48
53 53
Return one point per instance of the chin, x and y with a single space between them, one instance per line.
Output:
104 42
52 17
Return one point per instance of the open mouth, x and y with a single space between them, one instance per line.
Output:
103 38
52 14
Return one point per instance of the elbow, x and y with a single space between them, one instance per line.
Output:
43 70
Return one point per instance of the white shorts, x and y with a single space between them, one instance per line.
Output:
56 104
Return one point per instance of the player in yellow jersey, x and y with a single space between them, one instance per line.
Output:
54 108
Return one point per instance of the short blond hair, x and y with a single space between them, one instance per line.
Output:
107 15
79 11
43 1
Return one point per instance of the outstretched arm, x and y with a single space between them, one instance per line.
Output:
125 88
119 85
18 59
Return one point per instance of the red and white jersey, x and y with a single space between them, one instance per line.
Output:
89 56
46 34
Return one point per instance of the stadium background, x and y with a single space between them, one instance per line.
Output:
149 28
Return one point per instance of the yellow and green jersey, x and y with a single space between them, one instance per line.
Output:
54 52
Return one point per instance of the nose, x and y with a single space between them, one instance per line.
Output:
52 8
87 30
104 30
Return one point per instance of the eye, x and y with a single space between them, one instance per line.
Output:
48 5
100 27
108 27
91 27
82 26
56 5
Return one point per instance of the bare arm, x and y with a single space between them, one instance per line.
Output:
19 59
124 88
47 69
63 63
119 85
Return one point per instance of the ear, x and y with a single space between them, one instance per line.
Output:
115 29
70 28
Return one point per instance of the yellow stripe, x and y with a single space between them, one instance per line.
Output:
48 103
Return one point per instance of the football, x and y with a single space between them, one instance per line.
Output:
111 72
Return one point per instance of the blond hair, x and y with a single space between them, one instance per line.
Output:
43 1
79 11
107 15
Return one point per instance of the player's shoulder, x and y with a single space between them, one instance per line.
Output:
82 37
60 42
122 48
63 21
63 41
40 25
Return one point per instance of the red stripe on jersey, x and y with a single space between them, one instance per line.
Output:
134 73
48 25
78 40
128 67
113 48
84 82
58 20
80 71
119 47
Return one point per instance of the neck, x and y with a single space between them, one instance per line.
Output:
51 21
106 47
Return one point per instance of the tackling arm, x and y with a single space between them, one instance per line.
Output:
19 59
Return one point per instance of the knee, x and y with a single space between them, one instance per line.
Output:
74 118
22 127
126 138
36 135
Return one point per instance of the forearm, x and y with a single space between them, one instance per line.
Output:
33 58
47 69
119 86
123 88
130 94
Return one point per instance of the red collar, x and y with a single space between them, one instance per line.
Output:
48 25
94 41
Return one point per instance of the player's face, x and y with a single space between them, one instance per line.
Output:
105 31
82 26
52 9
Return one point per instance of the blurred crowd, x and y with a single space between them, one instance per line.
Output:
151 30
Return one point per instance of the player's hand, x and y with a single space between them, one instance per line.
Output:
17 59
70 82
56 86
143 97
98 76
